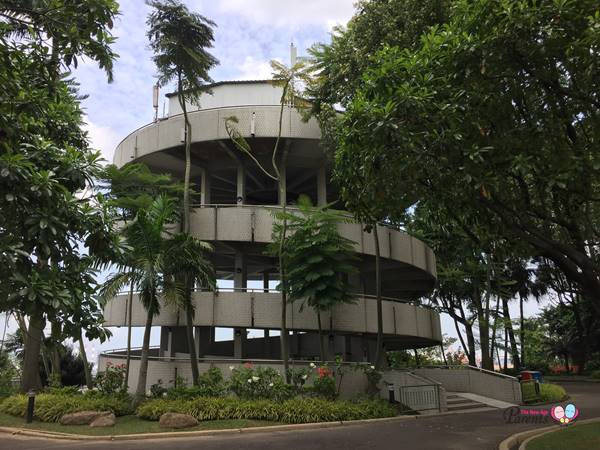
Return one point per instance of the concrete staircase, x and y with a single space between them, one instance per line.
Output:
456 402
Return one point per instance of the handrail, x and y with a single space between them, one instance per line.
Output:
276 291
465 367
109 354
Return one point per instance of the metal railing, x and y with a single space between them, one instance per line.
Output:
466 367
420 397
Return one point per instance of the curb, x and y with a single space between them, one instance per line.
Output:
183 434
522 439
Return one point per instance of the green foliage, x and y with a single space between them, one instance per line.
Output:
248 382
210 384
316 256
470 120
110 381
324 386
51 407
8 372
548 393
595 375
179 39
289 411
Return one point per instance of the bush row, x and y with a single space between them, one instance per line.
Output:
51 407
296 410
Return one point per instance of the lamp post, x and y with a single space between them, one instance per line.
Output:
30 406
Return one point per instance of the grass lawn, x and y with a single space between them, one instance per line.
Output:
578 437
548 393
127 425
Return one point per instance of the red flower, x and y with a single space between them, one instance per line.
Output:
323 372
248 365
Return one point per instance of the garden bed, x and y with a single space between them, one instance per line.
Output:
129 424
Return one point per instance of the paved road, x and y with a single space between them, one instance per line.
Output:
457 431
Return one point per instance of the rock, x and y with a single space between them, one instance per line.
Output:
107 420
176 420
82 417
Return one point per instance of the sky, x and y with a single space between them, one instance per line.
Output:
249 34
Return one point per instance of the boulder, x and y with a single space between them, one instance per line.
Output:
107 420
176 420
82 417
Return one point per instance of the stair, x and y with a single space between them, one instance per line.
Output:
456 403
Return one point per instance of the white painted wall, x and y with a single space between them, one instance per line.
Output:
225 95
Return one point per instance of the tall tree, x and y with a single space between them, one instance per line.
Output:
317 259
179 39
45 160
129 189
473 119
286 78
147 237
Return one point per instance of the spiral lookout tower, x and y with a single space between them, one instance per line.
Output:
234 214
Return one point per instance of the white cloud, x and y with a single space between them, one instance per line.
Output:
102 138
293 14
254 69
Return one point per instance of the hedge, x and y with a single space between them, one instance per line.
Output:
297 410
51 407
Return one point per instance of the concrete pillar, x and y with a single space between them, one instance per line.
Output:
240 276
266 281
205 188
240 283
239 338
266 344
165 342
241 185
204 338
321 186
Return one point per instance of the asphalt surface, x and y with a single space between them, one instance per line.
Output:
457 431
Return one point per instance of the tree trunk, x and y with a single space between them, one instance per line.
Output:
522 330
511 335
189 314
86 367
140 392
379 345
484 331
128 359
321 346
494 329
30 379
284 331
55 336
505 349
471 343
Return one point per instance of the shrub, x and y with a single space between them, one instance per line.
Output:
324 384
548 393
51 407
296 410
263 382
111 381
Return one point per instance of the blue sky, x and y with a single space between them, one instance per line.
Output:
249 34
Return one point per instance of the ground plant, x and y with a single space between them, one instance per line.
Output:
51 407
296 410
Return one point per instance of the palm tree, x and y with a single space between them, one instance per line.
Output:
318 260
179 39
148 239
185 261
286 78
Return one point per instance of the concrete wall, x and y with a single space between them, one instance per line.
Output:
465 379
263 310
232 94
354 382
255 224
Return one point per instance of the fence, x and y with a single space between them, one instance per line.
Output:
421 397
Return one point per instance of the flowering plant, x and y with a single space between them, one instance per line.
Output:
262 382
111 380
